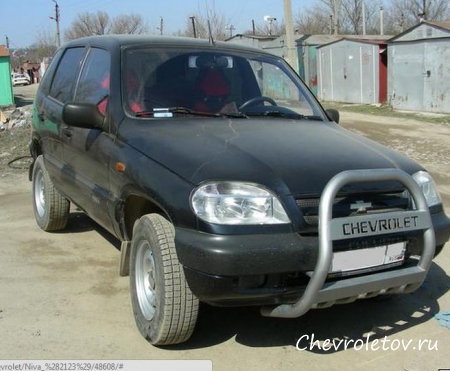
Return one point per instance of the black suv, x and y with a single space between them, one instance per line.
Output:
225 180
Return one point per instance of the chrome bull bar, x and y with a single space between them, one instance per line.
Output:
321 294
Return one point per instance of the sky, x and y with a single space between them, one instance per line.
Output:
22 24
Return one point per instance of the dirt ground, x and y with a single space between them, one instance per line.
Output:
61 296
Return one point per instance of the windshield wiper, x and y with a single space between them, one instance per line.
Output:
168 112
314 118
234 115
287 115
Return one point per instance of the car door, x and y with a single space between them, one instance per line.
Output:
56 89
86 151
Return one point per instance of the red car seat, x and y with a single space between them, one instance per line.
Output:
213 90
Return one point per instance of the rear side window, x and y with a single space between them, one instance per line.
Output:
49 73
93 86
63 84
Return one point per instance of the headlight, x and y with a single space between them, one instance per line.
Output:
237 203
428 187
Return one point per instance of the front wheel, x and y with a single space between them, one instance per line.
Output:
165 309
51 209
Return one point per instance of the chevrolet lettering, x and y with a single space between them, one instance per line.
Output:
395 224
225 182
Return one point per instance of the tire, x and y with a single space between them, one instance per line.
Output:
51 209
165 309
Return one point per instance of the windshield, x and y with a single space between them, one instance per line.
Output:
170 82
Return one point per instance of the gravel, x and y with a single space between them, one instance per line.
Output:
15 134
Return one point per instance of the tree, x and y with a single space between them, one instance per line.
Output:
89 24
18 56
197 25
44 46
403 14
320 18
270 27
128 24
398 15
352 16
314 20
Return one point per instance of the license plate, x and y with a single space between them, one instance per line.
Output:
363 259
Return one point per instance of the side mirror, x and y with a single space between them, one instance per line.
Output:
333 114
82 115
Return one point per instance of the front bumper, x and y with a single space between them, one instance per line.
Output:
234 270
259 269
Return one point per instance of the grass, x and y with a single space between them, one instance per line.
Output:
386 110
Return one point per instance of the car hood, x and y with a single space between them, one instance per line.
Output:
288 156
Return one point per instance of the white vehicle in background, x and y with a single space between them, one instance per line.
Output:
20 79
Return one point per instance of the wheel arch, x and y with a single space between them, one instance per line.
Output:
35 147
134 206
35 151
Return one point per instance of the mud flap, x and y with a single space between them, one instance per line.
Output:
124 264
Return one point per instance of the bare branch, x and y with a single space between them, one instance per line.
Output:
219 25
88 24
403 14
128 24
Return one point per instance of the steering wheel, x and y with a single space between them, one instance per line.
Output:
256 100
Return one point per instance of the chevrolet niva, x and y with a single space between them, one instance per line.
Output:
225 181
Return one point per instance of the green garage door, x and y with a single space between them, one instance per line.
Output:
6 93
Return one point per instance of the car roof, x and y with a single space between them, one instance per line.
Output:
120 41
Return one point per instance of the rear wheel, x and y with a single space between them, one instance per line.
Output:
164 307
51 209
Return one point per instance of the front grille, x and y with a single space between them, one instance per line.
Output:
344 206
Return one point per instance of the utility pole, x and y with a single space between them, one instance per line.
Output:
161 26
231 28
337 5
56 19
381 21
193 26
291 52
364 17
7 42
402 22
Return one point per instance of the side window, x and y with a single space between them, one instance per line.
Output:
49 73
93 86
65 77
